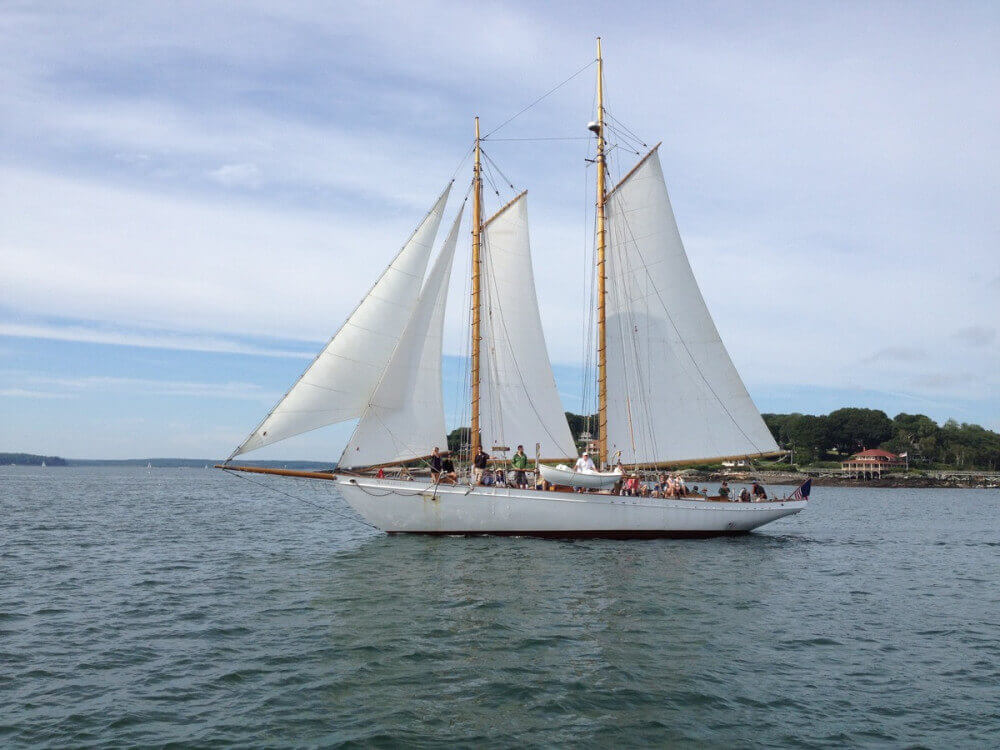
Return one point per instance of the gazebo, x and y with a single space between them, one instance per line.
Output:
871 463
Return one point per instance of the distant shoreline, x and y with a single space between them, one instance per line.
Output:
940 480
913 480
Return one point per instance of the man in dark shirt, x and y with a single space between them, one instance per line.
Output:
435 464
448 471
479 464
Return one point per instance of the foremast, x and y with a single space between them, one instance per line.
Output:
602 349
477 234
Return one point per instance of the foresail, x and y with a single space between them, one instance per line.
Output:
339 382
404 418
673 392
519 402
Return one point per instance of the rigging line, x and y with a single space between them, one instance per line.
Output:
543 96
556 138
487 173
467 155
499 171
302 500
626 128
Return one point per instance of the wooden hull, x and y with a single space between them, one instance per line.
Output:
420 508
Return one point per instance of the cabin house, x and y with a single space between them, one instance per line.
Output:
871 463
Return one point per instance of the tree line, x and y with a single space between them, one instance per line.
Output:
844 432
847 431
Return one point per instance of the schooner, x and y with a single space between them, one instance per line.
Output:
668 393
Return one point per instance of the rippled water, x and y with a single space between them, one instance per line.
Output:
154 606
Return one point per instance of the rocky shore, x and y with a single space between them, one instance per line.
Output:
957 480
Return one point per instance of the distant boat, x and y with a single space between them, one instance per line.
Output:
149 466
667 390
43 464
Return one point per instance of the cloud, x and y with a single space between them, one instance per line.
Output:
944 380
27 393
897 354
237 175
976 335
152 340
244 173
63 387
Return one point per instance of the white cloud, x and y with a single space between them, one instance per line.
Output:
153 340
62 387
247 171
237 175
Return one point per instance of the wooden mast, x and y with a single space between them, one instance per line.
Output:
477 228
602 363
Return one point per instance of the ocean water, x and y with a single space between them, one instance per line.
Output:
187 607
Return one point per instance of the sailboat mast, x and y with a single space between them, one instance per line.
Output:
477 228
602 363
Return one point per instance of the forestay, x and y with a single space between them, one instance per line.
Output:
519 402
673 392
404 419
338 383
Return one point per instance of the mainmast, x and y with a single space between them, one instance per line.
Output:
477 229
602 363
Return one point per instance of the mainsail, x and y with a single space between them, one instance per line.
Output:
339 382
404 418
673 392
519 400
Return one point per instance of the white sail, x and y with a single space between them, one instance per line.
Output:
673 392
405 415
339 382
519 402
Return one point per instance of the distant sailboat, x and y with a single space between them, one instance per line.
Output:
668 393
43 464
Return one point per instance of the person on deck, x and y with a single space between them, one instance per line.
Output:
449 475
724 490
585 464
744 495
520 464
435 464
759 495
479 463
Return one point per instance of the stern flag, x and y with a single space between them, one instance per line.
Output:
802 493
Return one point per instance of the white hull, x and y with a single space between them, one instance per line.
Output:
421 508
570 478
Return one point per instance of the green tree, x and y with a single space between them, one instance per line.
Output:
853 429
808 436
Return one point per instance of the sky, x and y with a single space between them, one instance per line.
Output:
194 195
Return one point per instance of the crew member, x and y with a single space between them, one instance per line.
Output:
435 464
479 463
520 464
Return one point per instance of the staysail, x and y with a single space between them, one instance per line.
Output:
673 392
519 402
404 418
339 382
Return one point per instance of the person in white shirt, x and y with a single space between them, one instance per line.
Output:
585 465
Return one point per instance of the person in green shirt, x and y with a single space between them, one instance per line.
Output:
520 464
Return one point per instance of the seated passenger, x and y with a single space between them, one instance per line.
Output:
448 473
758 492
744 495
